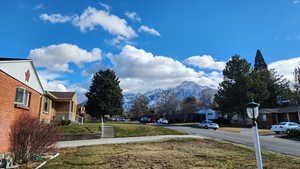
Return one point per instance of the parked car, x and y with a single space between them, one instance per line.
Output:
207 124
162 121
284 126
121 119
144 119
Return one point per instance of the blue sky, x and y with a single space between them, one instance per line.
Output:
149 44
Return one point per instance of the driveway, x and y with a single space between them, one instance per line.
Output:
270 143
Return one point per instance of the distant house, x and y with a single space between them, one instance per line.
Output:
208 114
21 91
59 106
81 109
271 116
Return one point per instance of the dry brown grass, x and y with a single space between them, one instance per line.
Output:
172 154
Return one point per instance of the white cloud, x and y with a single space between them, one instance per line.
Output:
296 1
149 30
50 82
141 71
286 67
205 62
92 18
55 18
38 6
58 57
133 16
105 6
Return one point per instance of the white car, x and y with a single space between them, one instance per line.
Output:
284 126
162 121
207 124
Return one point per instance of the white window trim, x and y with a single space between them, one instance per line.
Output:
24 95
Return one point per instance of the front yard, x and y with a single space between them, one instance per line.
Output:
121 129
86 128
177 154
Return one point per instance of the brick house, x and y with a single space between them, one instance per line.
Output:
21 91
272 116
59 106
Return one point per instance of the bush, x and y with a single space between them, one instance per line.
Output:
65 122
29 136
293 133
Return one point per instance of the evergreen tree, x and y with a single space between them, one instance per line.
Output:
260 63
189 106
233 94
105 95
267 87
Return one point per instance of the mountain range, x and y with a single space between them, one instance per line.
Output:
185 89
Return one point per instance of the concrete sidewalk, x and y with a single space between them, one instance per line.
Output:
77 143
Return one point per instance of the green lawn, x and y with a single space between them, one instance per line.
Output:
86 128
121 129
169 154
132 130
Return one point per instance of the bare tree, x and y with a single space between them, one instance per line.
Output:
167 104
139 107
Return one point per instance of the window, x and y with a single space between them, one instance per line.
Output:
22 97
292 124
46 104
264 117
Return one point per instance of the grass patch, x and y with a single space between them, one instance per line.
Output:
237 130
134 130
169 154
265 131
86 128
185 124
231 129
121 129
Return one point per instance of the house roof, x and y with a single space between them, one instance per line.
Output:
80 105
11 59
62 95
289 109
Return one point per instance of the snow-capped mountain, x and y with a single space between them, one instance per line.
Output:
184 90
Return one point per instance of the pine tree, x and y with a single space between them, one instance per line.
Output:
233 93
105 95
189 106
260 63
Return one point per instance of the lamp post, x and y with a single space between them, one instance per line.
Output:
252 112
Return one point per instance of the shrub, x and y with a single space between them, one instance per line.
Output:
293 133
65 122
29 136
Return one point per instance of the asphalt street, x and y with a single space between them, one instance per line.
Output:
270 143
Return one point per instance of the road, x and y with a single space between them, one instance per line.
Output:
270 143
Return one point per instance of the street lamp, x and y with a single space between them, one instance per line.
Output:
252 112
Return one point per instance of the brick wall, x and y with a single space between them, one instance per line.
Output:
8 112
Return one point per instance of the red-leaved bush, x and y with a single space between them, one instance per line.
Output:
29 136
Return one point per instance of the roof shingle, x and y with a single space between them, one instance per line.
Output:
63 95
